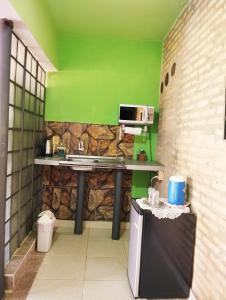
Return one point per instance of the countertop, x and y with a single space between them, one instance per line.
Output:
127 164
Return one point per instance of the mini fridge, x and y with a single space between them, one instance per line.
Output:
160 260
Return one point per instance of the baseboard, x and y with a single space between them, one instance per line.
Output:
14 269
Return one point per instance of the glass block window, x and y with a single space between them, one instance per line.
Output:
25 131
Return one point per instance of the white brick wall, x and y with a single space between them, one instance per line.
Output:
190 139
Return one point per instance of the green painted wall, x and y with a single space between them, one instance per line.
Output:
95 76
141 180
37 19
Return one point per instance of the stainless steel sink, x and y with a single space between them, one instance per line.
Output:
93 162
85 158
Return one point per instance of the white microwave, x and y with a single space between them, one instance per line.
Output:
136 114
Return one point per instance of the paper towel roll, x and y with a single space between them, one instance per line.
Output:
133 130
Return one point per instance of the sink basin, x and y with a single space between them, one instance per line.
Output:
95 159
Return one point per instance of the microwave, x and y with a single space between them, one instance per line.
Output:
136 114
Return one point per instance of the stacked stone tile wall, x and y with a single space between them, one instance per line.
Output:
60 183
191 129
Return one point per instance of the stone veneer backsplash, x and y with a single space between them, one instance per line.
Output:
60 183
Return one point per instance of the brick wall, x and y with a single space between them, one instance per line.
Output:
190 140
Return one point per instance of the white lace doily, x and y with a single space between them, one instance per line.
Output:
164 210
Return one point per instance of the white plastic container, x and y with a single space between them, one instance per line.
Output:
45 231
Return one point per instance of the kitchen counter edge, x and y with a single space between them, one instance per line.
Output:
129 164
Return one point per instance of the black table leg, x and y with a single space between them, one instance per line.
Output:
79 204
117 205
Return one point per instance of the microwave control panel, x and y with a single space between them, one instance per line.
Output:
150 114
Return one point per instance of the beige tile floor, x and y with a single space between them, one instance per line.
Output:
90 266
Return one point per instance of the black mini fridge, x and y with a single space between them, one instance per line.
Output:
161 251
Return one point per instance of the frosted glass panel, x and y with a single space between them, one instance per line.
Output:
7 254
27 124
42 93
8 186
27 81
33 67
15 182
33 85
37 107
39 73
41 108
9 163
21 53
12 69
13 245
32 103
7 231
24 159
11 93
24 197
25 212
16 140
14 221
32 117
19 75
26 176
30 157
14 46
7 209
18 96
30 136
39 90
37 125
11 116
10 140
28 63
14 202
41 123
16 161
25 139
26 100
17 118
43 78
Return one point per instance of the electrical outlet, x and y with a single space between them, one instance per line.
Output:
160 175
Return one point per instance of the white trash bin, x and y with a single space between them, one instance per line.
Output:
45 230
